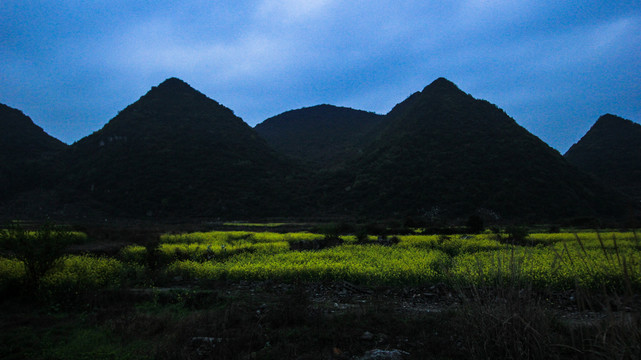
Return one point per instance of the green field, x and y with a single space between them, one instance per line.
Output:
269 295
559 260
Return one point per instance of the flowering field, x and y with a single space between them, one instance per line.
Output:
545 260
558 260
324 294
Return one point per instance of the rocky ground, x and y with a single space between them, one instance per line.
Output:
327 320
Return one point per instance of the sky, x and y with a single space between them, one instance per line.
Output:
553 66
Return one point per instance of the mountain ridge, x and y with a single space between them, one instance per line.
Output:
611 151
26 137
175 152
26 153
324 135
443 149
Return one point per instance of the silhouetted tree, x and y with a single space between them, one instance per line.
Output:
475 224
40 250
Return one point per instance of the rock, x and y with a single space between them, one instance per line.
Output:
204 346
381 338
205 340
367 336
339 354
378 354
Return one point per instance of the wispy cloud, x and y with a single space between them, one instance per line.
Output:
159 45
292 10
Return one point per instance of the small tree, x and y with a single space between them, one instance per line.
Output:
361 235
517 234
475 224
39 250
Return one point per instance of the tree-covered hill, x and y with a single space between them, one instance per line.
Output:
444 153
322 135
611 151
26 153
175 152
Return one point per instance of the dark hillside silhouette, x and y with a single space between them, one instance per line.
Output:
611 151
322 135
175 152
26 153
444 153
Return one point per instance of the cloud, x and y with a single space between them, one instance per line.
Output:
292 10
608 36
488 12
159 45
586 45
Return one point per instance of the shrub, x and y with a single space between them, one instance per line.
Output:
361 235
475 224
39 250
517 234
12 274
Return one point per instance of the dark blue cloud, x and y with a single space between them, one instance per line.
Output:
553 66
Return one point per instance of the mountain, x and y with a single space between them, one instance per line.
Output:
177 153
611 151
26 152
322 135
444 153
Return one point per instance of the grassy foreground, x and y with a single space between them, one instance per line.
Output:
302 295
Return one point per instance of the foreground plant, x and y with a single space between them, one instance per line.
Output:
40 250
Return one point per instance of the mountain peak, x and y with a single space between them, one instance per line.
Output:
608 130
441 92
176 151
26 153
10 117
439 144
441 84
174 82
612 127
172 86
610 150
172 109
612 120
323 134
174 96
21 133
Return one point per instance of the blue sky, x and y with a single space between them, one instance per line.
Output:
554 66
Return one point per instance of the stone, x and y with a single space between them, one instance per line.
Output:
378 354
367 336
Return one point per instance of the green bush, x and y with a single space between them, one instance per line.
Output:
40 250
475 224
517 234
85 273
